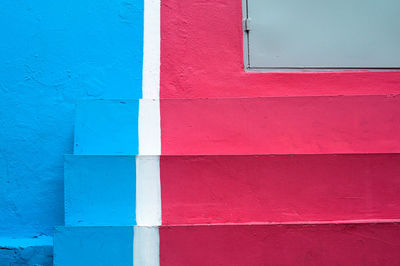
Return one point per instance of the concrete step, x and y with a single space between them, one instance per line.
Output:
108 246
281 125
281 244
176 190
115 190
117 127
272 125
279 188
367 243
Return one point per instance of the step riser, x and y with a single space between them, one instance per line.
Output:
93 246
317 244
117 127
130 190
282 125
356 244
122 246
112 190
282 188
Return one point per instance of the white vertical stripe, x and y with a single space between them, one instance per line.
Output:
151 50
146 246
149 127
148 191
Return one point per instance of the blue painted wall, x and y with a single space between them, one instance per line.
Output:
51 54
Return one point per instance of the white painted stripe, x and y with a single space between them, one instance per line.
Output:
148 191
146 246
151 49
149 127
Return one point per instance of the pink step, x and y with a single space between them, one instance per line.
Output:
279 188
281 125
313 244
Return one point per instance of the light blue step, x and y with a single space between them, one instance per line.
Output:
93 246
107 246
100 190
107 127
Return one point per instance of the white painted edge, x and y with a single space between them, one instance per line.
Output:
151 50
146 246
148 191
149 127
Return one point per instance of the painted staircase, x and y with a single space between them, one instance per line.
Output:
247 181
111 215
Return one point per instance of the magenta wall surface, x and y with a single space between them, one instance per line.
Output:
202 56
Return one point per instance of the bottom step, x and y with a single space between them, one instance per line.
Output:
106 245
291 244
363 243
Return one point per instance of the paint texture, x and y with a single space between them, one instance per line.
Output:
52 54
279 188
291 158
100 190
327 244
26 251
281 125
148 191
107 127
84 246
202 56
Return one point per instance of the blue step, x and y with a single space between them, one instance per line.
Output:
86 246
117 127
99 190
106 246
112 190
107 127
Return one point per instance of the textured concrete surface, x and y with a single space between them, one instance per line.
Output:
280 125
279 188
107 127
26 251
37 255
202 56
91 245
52 54
278 244
100 190
56 53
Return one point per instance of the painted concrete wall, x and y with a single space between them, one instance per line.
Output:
53 53
58 53
202 56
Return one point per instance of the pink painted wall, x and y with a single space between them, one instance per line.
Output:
327 244
202 56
